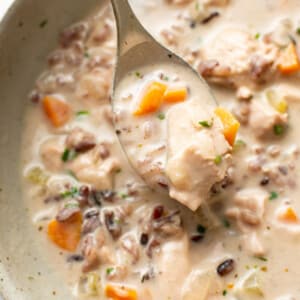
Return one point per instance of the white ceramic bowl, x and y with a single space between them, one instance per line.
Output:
25 272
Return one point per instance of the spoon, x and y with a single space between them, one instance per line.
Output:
137 49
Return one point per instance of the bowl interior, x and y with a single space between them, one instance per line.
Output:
27 34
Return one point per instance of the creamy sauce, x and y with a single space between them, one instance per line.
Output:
244 243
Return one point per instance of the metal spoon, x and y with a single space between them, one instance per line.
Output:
136 49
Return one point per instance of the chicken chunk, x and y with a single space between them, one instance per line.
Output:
249 207
51 151
200 284
172 251
191 166
243 58
95 85
91 168
264 118
253 244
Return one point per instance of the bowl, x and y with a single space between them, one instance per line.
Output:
28 32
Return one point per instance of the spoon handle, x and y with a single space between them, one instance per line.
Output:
130 30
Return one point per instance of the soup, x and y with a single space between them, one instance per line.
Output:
112 235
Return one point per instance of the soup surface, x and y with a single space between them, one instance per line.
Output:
108 234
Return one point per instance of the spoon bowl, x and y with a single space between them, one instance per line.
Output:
137 49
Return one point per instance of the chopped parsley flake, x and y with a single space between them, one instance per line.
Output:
161 116
70 193
201 229
109 271
68 155
123 195
205 123
273 195
165 78
218 159
138 74
298 30
261 258
43 23
224 293
278 129
86 54
82 113
257 36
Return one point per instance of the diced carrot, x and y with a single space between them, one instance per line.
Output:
289 60
66 234
230 124
118 292
56 110
174 95
152 99
288 215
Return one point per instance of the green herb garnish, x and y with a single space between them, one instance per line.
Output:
123 195
201 229
257 36
86 54
224 293
273 195
68 155
109 271
205 123
43 23
261 258
161 116
70 193
138 74
278 129
165 78
298 30
82 113
218 159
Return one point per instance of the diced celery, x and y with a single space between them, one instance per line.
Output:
89 285
37 176
249 285
276 101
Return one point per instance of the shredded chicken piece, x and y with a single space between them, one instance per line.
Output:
244 58
249 207
191 167
90 167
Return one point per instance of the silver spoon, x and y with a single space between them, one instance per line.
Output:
136 49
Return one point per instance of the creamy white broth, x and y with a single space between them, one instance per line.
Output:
265 165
